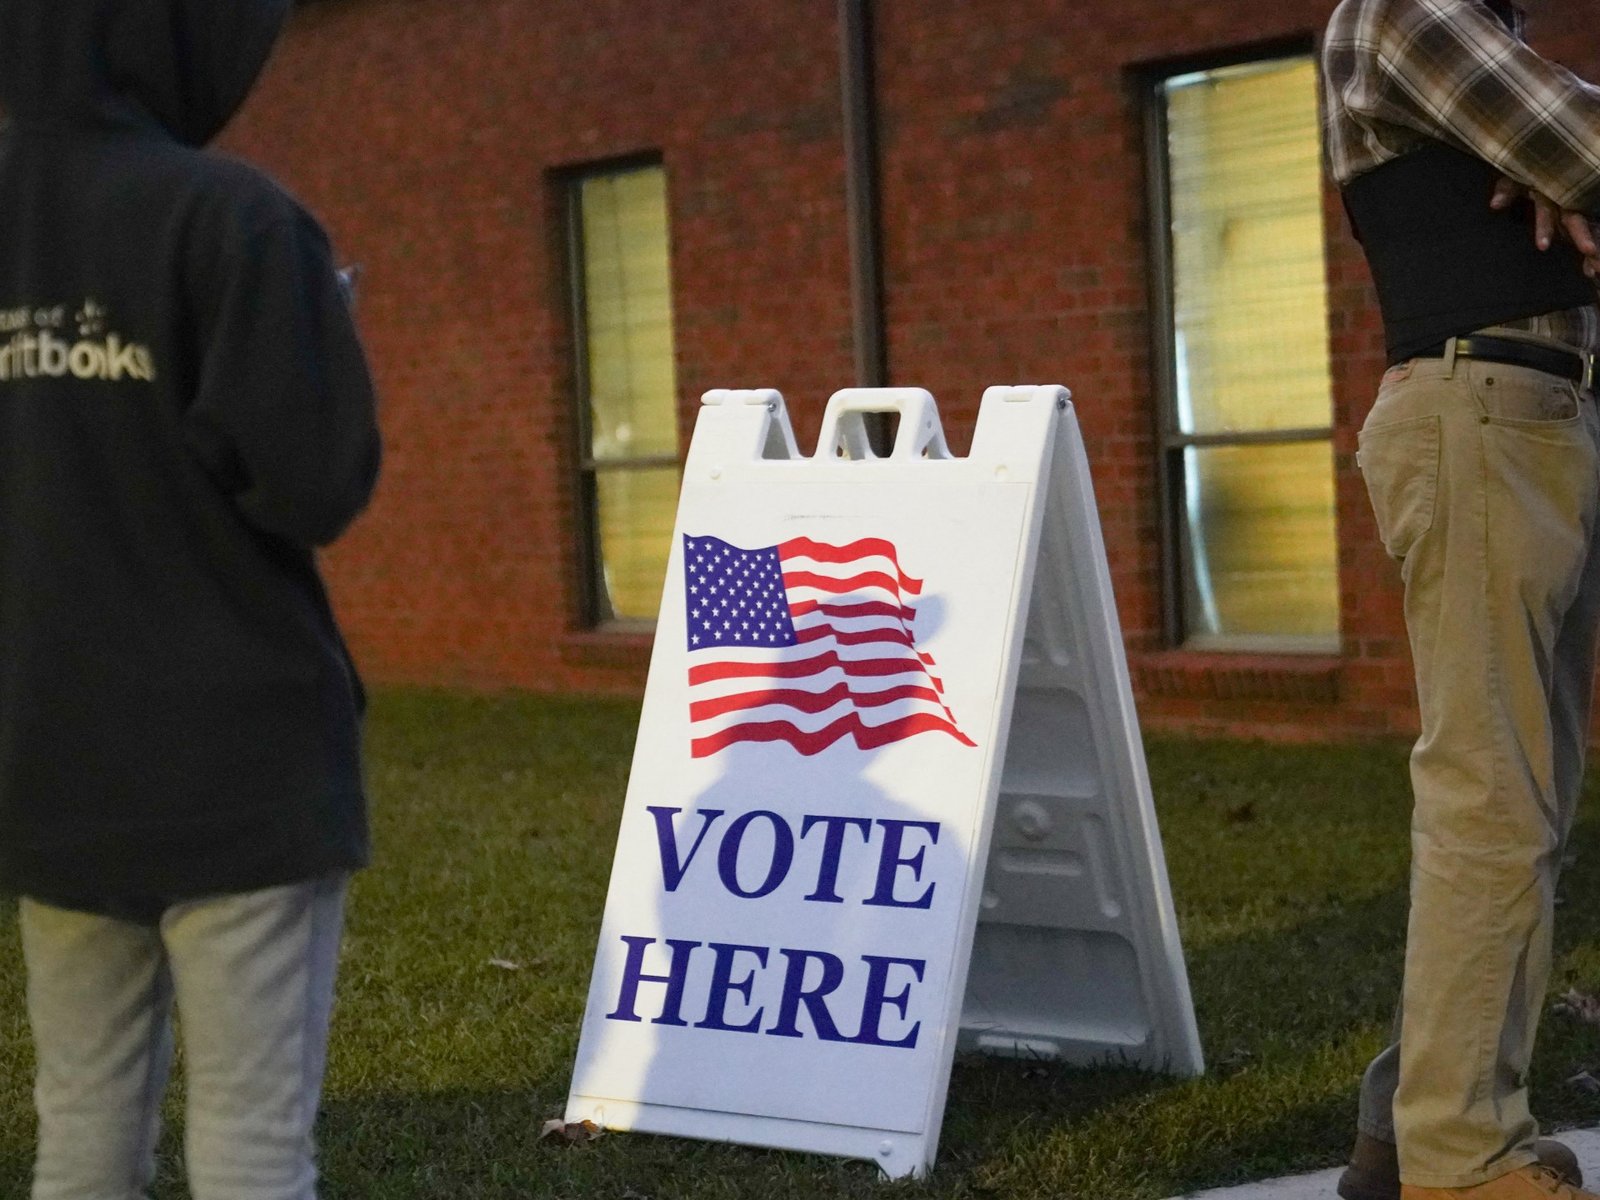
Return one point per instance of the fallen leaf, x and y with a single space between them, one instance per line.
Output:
505 964
571 1133
1582 1005
1583 1081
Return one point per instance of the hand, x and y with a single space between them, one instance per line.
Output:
1547 215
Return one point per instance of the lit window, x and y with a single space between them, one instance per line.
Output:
1247 454
627 388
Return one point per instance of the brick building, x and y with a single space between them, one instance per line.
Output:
577 215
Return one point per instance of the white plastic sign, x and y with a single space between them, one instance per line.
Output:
800 871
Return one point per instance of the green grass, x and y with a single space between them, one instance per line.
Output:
494 822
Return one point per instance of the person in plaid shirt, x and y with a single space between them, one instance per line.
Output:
1469 166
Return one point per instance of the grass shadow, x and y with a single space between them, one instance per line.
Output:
16 1171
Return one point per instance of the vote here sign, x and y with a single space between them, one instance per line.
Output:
784 946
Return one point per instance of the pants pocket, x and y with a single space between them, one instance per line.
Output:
1512 395
1400 462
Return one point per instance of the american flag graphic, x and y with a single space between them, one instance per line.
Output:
806 643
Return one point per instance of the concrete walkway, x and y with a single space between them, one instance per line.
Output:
1318 1185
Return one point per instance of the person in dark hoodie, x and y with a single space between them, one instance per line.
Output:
185 415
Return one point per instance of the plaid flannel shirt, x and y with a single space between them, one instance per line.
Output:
1400 72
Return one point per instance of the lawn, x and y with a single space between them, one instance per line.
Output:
494 821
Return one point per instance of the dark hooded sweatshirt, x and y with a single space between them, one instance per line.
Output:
185 413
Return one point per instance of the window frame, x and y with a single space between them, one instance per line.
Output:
593 608
1171 442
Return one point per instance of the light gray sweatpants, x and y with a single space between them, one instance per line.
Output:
252 977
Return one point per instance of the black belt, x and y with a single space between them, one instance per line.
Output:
1568 364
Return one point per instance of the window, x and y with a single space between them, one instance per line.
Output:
1246 443
627 388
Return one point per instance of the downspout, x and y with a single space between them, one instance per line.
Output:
861 199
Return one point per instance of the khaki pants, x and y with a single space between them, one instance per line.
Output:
1484 482
252 977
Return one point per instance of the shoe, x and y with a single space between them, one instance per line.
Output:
1374 1170
1533 1182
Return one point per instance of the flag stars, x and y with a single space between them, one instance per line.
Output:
734 596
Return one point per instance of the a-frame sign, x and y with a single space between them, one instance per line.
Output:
888 796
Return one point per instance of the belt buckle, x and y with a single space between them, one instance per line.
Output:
1587 382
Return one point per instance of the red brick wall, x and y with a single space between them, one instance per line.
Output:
425 133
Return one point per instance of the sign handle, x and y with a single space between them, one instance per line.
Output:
844 432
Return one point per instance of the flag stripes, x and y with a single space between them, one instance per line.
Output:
807 643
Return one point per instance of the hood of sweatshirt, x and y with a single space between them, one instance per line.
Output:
186 64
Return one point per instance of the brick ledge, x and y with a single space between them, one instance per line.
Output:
617 649
1193 674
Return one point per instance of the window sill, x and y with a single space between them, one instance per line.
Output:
625 647
1189 674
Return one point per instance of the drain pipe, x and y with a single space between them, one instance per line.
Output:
861 199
